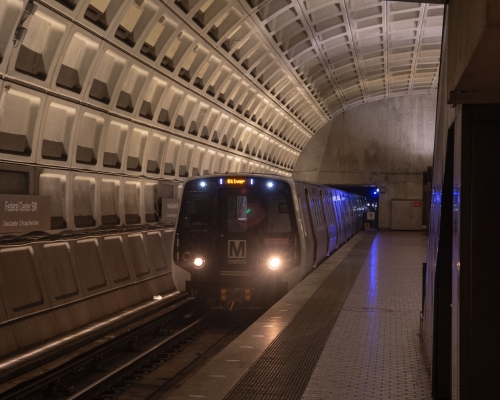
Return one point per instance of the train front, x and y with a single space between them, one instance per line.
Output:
235 237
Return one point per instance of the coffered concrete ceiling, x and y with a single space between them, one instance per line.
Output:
348 52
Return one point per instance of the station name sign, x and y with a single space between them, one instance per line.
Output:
24 213
169 210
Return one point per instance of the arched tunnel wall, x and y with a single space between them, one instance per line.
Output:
387 143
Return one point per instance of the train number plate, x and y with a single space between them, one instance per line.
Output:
235 295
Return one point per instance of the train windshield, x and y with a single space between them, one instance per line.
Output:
269 212
195 217
214 207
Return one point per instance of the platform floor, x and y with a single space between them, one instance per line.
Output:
350 330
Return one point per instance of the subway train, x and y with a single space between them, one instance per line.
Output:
244 240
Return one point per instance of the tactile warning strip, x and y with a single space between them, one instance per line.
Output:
285 367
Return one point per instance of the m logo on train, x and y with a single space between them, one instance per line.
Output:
237 249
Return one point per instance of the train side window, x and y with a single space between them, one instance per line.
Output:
237 207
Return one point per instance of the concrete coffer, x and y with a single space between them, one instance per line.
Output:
406 215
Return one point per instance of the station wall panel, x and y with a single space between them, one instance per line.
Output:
133 201
134 21
158 37
208 162
20 273
155 152
177 49
88 142
236 167
171 158
131 89
185 160
149 107
136 151
228 163
34 60
110 201
10 15
90 266
116 261
151 196
19 132
57 132
59 272
137 253
99 15
217 81
169 106
73 272
197 163
102 90
84 192
55 184
206 72
115 141
211 119
219 163
157 253
184 112
192 62
35 329
73 71
3 317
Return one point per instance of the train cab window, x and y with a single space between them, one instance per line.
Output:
278 217
195 215
237 210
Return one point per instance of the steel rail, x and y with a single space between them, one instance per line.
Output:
131 364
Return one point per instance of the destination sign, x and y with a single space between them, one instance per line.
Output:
236 181
23 213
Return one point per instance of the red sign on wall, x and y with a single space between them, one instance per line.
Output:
417 204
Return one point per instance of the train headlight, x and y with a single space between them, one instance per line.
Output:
203 183
274 263
270 184
199 262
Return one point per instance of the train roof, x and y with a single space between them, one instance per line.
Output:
269 176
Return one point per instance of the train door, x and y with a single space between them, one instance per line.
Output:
323 237
308 231
330 218
312 218
350 208
347 216
326 219
339 213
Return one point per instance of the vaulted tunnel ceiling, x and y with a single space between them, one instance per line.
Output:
253 78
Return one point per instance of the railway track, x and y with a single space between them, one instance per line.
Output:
142 360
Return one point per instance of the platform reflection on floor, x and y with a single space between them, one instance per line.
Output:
374 350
